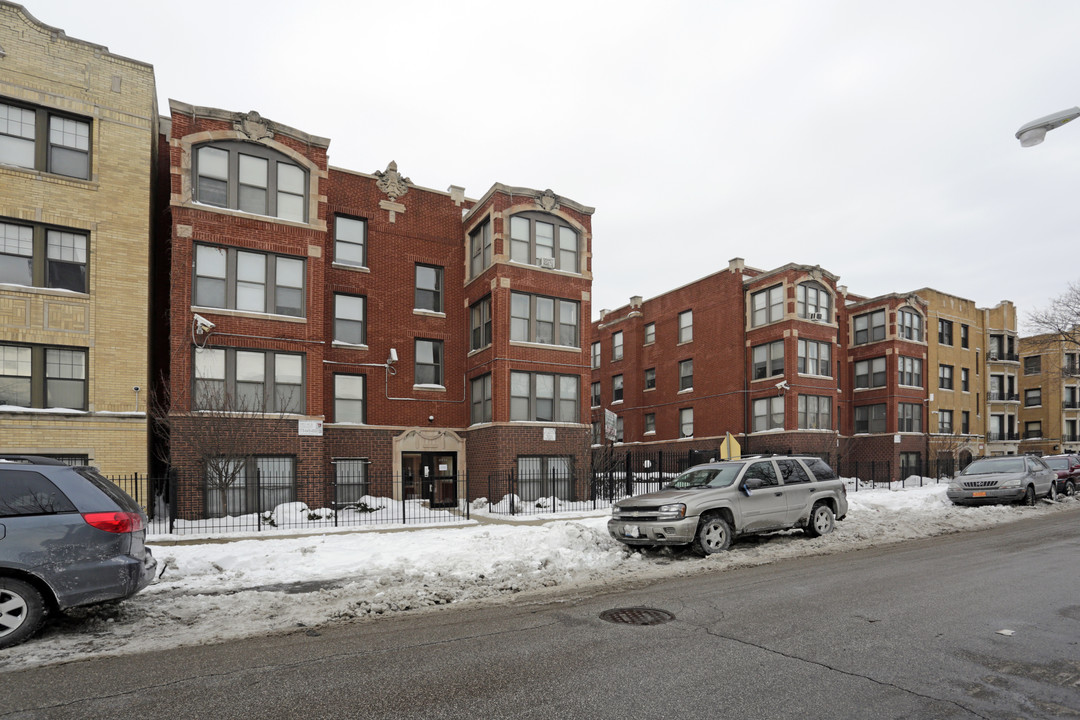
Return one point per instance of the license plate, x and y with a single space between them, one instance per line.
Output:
631 531
981 493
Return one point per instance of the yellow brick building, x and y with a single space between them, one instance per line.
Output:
1050 395
972 377
77 146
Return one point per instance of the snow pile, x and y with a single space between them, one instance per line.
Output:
208 592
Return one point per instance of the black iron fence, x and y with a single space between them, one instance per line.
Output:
872 473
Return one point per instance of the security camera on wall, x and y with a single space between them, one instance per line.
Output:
393 356
202 325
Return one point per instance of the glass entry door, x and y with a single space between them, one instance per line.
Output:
429 476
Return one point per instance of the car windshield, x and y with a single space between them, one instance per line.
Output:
1002 465
1058 463
714 477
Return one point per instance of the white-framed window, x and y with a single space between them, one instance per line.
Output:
768 359
544 397
870 418
767 306
428 365
595 355
650 423
769 413
910 371
235 279
480 399
250 178
245 380
869 327
350 319
545 241
480 324
870 373
350 398
650 333
909 325
813 302
429 288
686 326
545 320
815 358
686 375
815 412
65 378
36 255
350 241
616 346
480 249
686 422
39 139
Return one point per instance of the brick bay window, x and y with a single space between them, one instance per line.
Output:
35 255
43 377
480 324
909 325
815 412
235 279
870 373
248 381
544 320
544 397
480 399
769 414
815 358
768 360
813 302
545 241
480 249
870 418
39 139
910 417
250 178
767 306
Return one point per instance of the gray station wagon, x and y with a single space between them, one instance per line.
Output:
68 537
709 505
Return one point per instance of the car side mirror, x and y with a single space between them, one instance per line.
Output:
745 487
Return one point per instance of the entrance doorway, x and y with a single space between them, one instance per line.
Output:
430 476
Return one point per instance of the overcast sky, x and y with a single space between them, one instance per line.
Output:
875 139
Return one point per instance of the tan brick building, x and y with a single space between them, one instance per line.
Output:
1049 395
77 125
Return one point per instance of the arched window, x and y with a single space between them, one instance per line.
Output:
544 240
909 325
814 302
251 178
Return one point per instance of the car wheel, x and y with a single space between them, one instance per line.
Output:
1052 496
713 535
821 522
1070 489
1029 496
21 611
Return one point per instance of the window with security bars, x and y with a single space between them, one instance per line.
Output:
544 477
241 485
350 480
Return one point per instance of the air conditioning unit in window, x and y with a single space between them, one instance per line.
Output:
546 262
993 356
817 316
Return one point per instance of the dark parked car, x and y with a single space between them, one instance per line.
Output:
68 537
1003 479
1068 472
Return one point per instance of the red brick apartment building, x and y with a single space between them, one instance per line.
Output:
784 360
328 325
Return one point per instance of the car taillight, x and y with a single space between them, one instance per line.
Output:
115 522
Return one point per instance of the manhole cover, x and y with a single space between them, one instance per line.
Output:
637 616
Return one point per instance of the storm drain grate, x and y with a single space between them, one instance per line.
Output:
637 616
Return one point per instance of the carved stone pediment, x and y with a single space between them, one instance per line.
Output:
392 182
253 125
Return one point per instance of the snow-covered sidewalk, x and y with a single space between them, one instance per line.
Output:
209 592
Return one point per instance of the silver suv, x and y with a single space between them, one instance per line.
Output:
709 505
68 537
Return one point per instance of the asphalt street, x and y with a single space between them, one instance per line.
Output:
973 625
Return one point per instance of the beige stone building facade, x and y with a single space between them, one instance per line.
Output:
77 146
972 377
1050 395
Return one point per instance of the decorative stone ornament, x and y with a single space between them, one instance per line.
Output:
253 125
548 200
392 182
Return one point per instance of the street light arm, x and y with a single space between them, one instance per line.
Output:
1034 132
